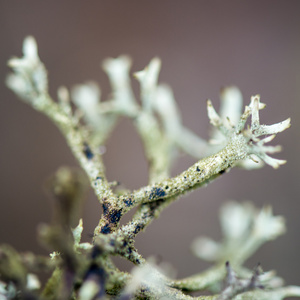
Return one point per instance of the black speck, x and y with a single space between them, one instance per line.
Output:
222 172
95 270
157 192
146 215
99 275
197 169
106 229
105 208
128 202
99 178
138 228
166 187
97 251
153 205
87 151
145 290
115 215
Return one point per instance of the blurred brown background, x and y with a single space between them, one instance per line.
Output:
204 45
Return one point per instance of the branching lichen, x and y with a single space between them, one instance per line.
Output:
85 270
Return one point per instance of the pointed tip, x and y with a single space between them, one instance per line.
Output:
63 94
123 62
13 62
278 163
139 75
285 124
156 60
30 47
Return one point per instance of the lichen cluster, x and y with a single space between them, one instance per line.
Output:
85 271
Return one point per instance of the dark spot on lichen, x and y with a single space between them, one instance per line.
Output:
222 172
76 287
166 187
98 178
154 205
145 290
98 274
87 151
106 229
146 215
138 228
128 202
96 251
157 193
115 215
197 169
105 207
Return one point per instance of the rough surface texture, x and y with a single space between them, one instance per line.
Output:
85 270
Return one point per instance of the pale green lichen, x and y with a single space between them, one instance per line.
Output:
77 232
86 271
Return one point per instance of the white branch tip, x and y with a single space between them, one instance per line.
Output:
30 49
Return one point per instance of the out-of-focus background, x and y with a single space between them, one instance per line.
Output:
204 45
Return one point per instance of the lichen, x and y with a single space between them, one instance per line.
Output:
85 270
